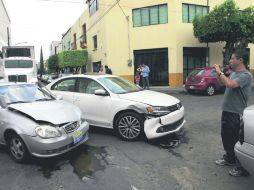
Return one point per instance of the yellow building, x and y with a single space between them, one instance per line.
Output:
125 33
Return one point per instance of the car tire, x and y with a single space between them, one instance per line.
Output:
17 149
190 92
210 90
129 126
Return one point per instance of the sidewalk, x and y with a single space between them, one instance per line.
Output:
177 89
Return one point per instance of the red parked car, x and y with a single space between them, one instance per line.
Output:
203 80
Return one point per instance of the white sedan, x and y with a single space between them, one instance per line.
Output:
245 149
113 102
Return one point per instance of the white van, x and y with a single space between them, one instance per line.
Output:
18 64
18 69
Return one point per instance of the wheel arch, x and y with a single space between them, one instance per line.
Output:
8 133
124 111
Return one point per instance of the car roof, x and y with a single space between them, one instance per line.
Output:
203 68
90 75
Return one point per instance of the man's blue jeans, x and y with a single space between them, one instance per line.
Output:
146 82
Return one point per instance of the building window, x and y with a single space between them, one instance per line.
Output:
83 37
74 43
69 45
193 58
190 11
93 6
84 32
150 15
95 42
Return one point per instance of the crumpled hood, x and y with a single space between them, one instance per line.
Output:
55 111
150 97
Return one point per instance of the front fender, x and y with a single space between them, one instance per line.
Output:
18 123
139 108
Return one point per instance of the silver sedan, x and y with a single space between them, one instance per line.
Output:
33 122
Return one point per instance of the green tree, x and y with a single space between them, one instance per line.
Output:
74 59
53 64
42 70
226 23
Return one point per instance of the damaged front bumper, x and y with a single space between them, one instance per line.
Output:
164 125
40 147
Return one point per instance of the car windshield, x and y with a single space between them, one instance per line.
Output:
197 72
18 64
119 85
23 93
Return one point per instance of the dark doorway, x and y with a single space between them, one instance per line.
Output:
193 58
157 61
96 66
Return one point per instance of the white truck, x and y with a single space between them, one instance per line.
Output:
18 64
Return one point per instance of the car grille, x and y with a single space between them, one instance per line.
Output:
17 78
170 127
70 127
175 107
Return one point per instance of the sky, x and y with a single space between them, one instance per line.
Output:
39 22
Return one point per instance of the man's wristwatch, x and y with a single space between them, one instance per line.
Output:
221 73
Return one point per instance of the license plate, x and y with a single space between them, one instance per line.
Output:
192 87
77 137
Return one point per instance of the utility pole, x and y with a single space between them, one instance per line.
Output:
8 36
207 47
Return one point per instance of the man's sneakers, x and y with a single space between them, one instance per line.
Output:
225 162
238 172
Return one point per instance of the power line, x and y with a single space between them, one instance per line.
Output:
122 10
60 1
99 19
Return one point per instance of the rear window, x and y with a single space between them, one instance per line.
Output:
197 72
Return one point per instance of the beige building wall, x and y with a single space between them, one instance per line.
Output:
117 38
5 25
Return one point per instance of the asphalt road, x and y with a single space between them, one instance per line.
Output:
107 163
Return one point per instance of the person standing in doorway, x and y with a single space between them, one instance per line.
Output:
101 71
145 76
137 78
238 89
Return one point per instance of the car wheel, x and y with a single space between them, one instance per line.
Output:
129 126
190 91
17 149
210 90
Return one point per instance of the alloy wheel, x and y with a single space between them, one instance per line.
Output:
210 90
17 148
129 126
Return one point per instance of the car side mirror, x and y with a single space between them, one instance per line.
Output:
59 97
3 102
100 92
